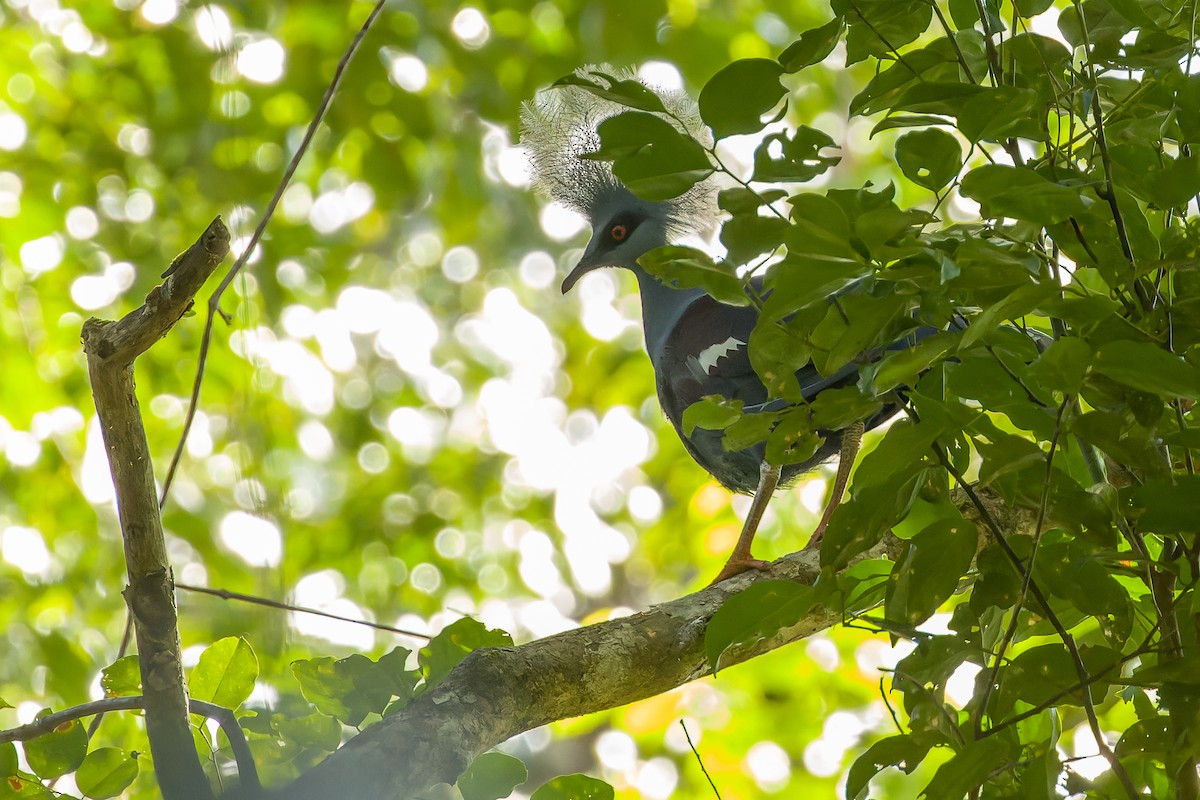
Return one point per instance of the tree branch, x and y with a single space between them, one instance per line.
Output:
497 693
247 771
111 348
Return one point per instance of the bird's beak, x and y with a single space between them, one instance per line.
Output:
582 268
586 264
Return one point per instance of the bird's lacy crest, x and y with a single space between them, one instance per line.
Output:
559 126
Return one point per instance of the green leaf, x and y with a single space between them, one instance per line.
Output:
799 156
762 610
492 776
902 752
225 673
1148 368
1184 670
821 229
458 639
1166 508
736 98
749 430
847 333
315 730
1063 365
629 93
928 570
903 366
740 200
969 768
800 281
879 27
106 772
650 156
930 158
574 787
747 236
122 678
777 350
58 752
1042 673
1017 304
1000 112
8 759
353 687
1004 191
1147 737
812 46
687 267
712 414
1031 8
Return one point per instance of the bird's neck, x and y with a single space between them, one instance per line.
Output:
662 308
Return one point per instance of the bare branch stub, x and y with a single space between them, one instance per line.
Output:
133 334
111 348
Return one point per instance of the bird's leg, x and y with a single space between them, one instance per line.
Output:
740 559
851 439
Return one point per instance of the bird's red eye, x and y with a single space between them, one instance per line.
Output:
618 232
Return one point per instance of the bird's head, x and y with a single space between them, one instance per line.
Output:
558 131
622 232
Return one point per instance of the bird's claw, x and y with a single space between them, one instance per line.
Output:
736 565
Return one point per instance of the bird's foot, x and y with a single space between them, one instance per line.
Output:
736 565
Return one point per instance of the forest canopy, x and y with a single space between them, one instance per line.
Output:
402 423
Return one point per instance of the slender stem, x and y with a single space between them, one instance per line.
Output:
699 760
223 716
225 594
214 302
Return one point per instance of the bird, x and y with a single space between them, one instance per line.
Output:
697 345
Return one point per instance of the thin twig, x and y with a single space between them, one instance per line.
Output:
699 760
225 594
1110 193
1011 632
214 302
223 716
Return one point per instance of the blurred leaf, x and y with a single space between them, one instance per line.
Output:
8 759
573 787
106 772
314 730
1166 508
492 776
